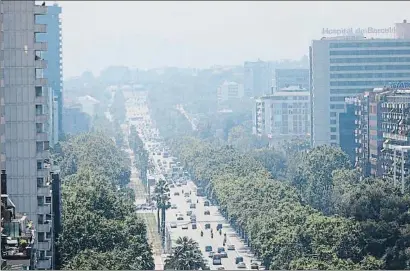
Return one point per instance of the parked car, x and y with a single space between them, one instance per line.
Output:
254 265
207 212
173 225
184 227
241 265
231 247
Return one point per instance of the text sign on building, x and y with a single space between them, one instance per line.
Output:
369 31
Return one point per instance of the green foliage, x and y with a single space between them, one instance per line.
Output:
141 156
185 256
117 108
321 216
100 228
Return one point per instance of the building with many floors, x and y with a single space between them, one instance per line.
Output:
229 91
344 67
54 71
26 121
291 77
283 115
257 78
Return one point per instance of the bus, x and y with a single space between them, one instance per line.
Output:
216 259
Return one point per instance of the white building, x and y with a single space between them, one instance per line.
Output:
344 67
257 78
230 90
25 120
283 115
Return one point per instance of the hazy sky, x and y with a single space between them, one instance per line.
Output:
200 34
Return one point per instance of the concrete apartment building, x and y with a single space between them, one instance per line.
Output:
54 71
229 91
382 133
25 123
283 115
291 77
344 67
257 78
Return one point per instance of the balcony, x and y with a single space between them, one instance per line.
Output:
40 28
43 245
42 118
43 263
44 191
40 10
44 209
41 82
40 64
40 46
44 227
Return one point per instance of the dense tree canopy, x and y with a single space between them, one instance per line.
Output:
186 256
100 229
320 215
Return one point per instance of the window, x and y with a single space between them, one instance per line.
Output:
40 219
40 127
40 200
48 235
48 199
333 122
39 146
333 129
41 239
39 91
39 109
39 164
40 182
48 217
333 137
46 145
39 74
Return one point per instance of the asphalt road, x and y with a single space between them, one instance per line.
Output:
136 108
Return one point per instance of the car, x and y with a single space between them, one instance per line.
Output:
186 194
189 213
184 227
241 265
173 186
178 214
208 248
176 193
179 184
219 226
211 254
221 268
173 225
254 266
173 206
231 247
192 206
194 226
206 203
223 254
180 218
221 249
207 226
207 212
238 260
188 200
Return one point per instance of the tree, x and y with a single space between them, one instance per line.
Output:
162 198
185 256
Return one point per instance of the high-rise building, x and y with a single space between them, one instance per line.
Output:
25 120
344 67
291 77
283 115
229 90
257 78
53 72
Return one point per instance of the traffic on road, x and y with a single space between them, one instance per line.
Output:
190 214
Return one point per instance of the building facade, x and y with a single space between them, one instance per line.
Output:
283 115
229 91
291 77
257 78
25 120
345 67
383 133
75 120
54 70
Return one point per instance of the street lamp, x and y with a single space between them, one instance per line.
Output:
402 149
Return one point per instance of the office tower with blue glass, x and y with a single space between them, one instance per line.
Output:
344 67
54 70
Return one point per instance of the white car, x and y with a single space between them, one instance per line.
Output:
184 227
231 247
241 265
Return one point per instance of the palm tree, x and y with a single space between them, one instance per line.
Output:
185 256
162 198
